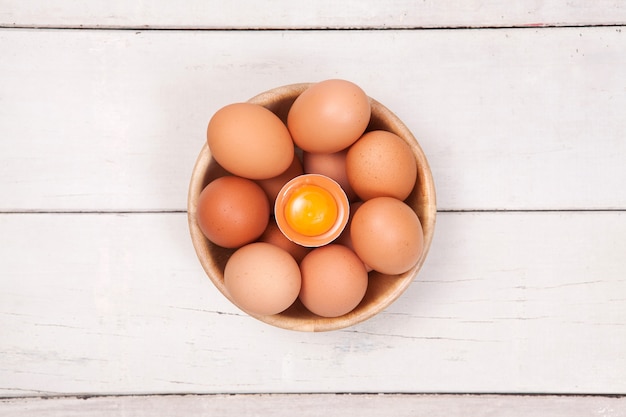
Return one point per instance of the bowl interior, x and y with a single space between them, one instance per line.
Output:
382 289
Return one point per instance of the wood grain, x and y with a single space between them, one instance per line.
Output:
509 118
506 303
397 405
323 14
519 109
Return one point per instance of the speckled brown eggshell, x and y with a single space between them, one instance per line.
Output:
262 279
232 211
380 164
329 116
387 235
250 141
334 280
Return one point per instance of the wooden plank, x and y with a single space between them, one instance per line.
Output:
509 118
506 303
304 14
319 404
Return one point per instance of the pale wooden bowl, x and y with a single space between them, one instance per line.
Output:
383 289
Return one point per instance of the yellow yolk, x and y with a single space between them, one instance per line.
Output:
311 210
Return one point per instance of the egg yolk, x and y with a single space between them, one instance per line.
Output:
311 210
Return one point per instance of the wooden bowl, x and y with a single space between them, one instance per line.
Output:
383 289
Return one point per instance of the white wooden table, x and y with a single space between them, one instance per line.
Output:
520 108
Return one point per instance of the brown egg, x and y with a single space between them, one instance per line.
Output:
381 164
334 281
274 236
250 141
232 211
387 235
332 165
329 116
262 278
272 186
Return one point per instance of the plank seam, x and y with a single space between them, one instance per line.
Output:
310 28
8 212
555 210
441 211
407 394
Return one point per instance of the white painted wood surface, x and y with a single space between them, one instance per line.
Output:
524 290
507 302
509 118
316 405
309 14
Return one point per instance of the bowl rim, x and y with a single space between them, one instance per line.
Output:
319 324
